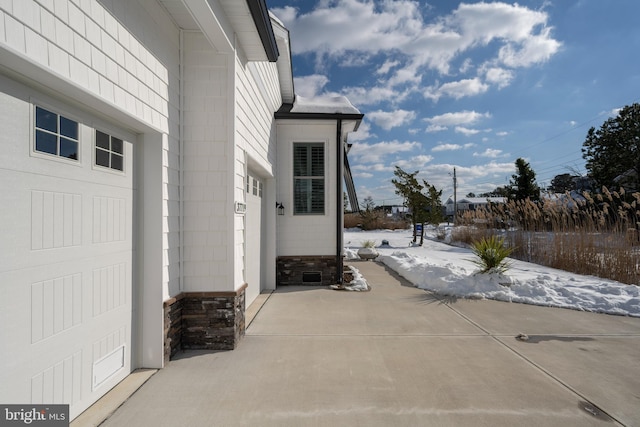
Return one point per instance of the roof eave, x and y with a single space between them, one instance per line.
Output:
260 15
284 113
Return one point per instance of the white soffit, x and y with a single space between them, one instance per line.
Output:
180 14
211 20
239 16
219 20
285 74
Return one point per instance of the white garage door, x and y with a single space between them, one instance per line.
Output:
67 250
253 238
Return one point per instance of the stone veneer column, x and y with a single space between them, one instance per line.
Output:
204 320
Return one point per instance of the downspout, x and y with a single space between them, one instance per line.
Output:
339 243
181 173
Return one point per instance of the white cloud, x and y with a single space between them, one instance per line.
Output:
390 119
499 77
533 50
363 132
376 167
489 152
436 128
458 118
502 133
310 86
513 35
446 147
387 66
371 95
457 90
466 131
363 175
466 65
611 113
413 163
373 153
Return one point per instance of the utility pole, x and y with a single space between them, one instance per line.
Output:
455 196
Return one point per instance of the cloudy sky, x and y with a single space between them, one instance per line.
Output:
466 85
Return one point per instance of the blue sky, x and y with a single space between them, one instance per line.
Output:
471 85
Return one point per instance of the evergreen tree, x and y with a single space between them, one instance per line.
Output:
523 182
424 207
613 151
562 183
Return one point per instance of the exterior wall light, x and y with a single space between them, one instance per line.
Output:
280 208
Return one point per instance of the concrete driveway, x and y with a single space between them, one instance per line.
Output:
400 356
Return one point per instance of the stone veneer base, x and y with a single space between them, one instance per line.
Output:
204 320
290 270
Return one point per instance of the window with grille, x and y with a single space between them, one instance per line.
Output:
109 151
308 179
56 134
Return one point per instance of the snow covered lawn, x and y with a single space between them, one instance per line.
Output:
449 270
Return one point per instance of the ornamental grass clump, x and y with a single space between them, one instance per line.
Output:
492 253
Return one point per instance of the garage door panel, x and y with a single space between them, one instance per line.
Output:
58 222
67 267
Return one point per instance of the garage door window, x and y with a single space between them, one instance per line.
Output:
109 151
56 134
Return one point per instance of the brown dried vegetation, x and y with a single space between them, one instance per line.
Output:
595 234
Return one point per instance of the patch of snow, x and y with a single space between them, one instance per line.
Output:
324 104
449 270
358 284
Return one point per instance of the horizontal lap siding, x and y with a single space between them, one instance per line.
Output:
257 98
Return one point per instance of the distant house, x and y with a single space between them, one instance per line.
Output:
470 204
628 180
569 200
158 172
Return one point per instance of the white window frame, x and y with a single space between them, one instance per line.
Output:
60 112
309 209
95 147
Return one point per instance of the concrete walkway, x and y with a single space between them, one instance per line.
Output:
398 356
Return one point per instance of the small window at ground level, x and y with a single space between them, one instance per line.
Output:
109 151
56 134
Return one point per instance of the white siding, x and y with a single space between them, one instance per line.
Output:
306 234
257 97
117 54
208 162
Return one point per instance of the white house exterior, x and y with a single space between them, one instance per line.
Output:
141 164
470 204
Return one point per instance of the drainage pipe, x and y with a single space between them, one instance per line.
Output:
339 236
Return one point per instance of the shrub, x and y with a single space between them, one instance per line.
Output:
369 244
491 253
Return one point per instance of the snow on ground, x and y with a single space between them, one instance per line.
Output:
449 270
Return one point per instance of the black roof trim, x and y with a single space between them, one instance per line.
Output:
260 15
285 113
351 188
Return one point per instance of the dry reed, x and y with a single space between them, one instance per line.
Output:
585 234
